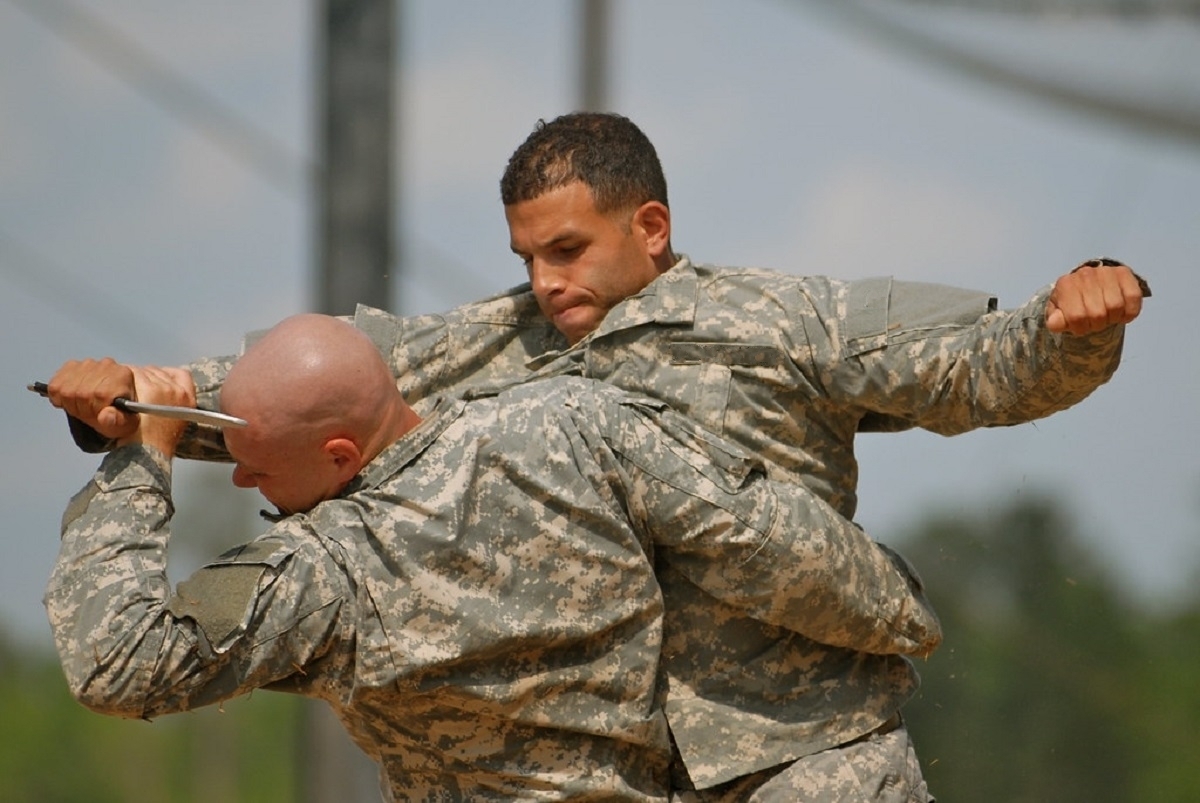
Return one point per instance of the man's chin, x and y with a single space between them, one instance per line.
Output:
576 322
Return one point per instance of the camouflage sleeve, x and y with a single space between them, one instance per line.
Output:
206 443
130 647
776 551
481 347
937 358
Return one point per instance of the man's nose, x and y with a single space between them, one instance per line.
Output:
545 280
243 478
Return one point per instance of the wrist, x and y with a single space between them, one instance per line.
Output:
164 442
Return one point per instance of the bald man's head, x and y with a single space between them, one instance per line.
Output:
320 403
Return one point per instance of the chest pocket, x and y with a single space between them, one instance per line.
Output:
708 379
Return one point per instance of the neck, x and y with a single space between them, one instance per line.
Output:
666 260
398 421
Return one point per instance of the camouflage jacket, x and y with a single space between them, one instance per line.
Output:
790 368
479 606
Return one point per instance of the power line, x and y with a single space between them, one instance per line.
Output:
186 101
1175 121
82 302
1123 8
175 93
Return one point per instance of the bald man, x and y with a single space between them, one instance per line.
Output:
471 592
320 404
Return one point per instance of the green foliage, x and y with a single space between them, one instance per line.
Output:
1167 719
52 750
1048 686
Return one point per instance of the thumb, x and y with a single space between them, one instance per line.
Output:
114 423
1056 321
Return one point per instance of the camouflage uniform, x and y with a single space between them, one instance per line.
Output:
791 368
478 605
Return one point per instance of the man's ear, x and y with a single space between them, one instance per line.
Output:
653 221
345 456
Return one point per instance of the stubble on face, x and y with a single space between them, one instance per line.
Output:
581 262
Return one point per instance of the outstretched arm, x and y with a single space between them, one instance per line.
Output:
483 345
954 374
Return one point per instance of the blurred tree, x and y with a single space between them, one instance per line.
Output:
1042 688
1168 718
52 750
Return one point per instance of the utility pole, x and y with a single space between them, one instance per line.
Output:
593 60
355 73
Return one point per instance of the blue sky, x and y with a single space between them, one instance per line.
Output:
791 140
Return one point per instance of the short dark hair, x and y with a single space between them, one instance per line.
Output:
605 151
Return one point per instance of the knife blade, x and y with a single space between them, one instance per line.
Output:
193 414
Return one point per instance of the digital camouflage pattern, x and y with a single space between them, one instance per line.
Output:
881 767
790 368
478 606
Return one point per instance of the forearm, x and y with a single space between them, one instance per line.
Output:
1006 368
128 645
1016 370
206 443
802 567
108 591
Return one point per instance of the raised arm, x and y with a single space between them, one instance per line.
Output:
131 647
482 346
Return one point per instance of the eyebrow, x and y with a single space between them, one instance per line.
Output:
553 241
242 464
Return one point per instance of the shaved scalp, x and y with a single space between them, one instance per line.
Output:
310 378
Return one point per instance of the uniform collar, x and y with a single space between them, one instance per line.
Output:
394 458
669 299
407 448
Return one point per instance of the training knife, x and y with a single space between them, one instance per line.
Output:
193 414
